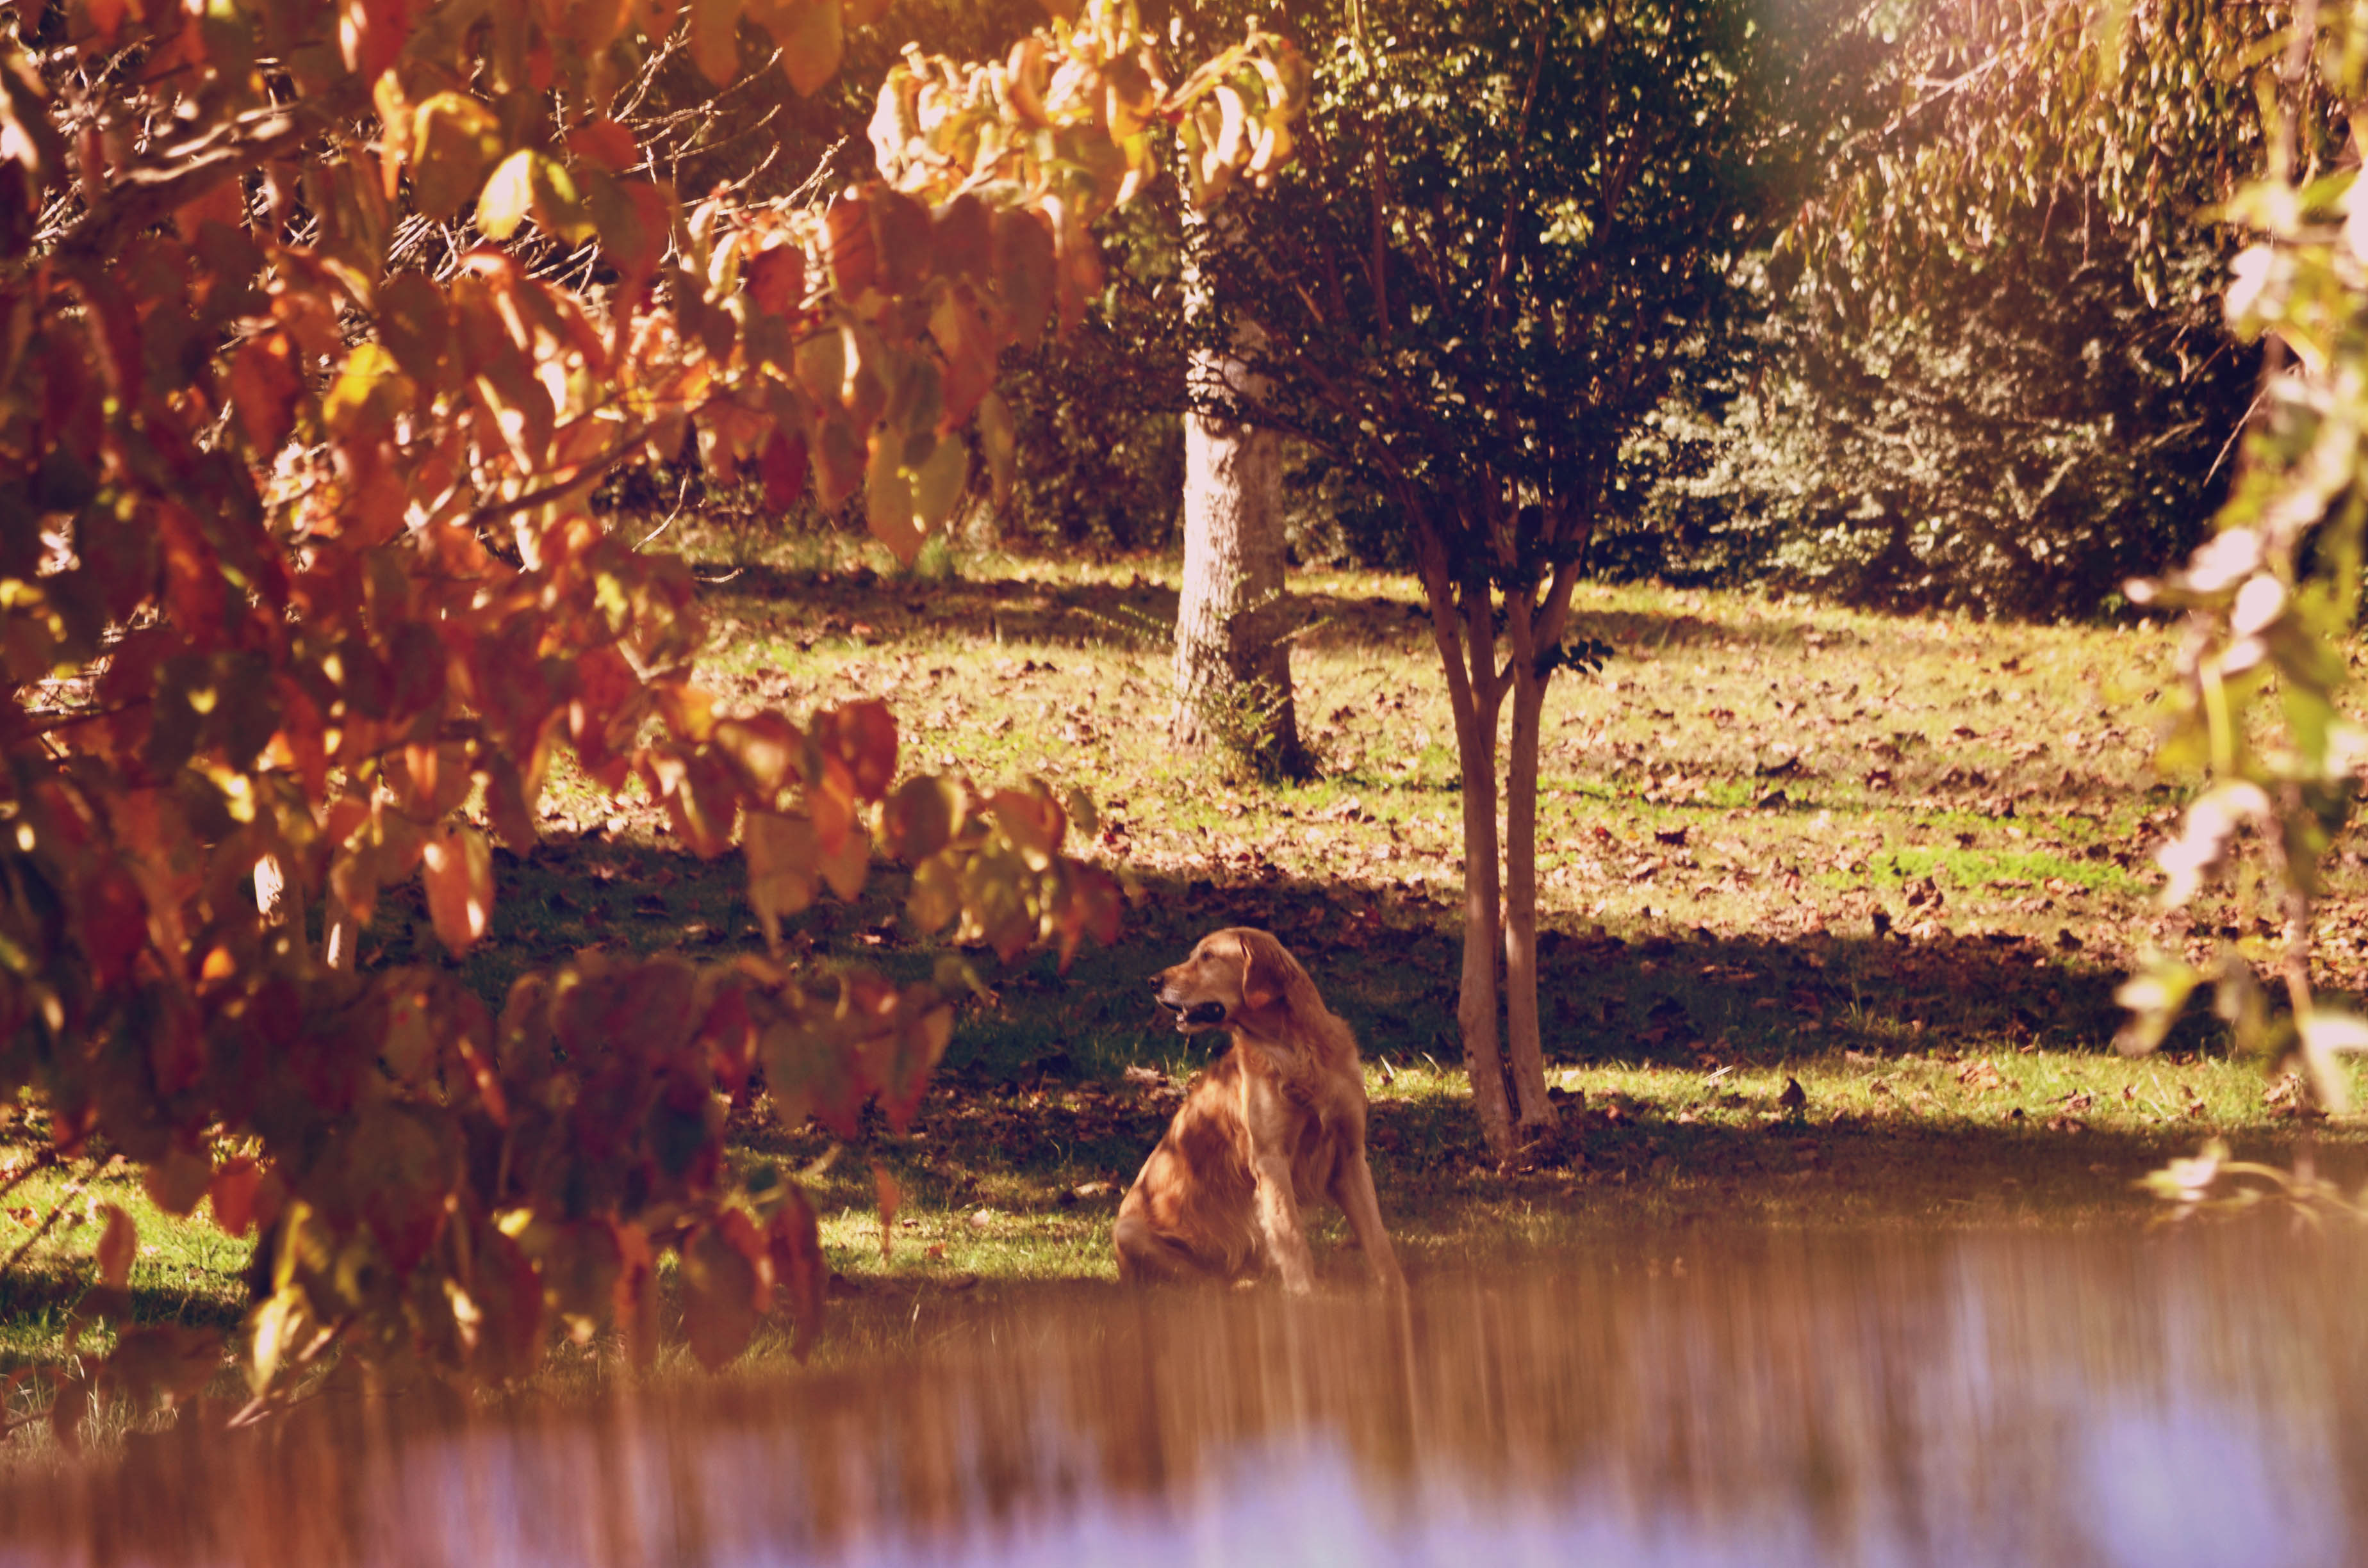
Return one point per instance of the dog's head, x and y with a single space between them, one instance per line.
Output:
1231 976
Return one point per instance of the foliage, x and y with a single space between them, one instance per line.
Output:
2030 437
2151 110
1097 413
300 573
2140 113
2270 601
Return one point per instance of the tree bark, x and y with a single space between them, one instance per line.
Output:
1465 635
1521 1028
1233 667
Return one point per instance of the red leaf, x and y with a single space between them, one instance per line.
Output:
233 1194
782 466
604 142
722 1291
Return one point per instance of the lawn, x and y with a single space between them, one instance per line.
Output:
1901 860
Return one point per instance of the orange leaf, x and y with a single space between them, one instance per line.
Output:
604 142
458 875
715 38
811 37
782 867
1034 822
864 737
775 279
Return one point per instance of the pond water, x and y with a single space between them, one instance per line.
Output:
1702 1399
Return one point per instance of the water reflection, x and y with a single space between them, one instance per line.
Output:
1744 1400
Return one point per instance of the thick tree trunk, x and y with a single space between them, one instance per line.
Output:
1233 667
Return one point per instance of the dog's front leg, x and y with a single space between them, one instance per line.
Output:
1269 1122
1353 1190
1278 1217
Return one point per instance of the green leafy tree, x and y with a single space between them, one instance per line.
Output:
2165 114
1506 224
2031 434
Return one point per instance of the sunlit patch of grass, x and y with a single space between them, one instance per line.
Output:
1966 868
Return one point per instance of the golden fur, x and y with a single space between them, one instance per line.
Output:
1276 1123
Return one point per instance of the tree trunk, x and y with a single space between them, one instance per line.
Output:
1233 667
1465 635
1522 877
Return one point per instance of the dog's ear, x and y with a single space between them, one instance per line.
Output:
1266 970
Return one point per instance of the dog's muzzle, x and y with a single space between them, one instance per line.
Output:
1198 1015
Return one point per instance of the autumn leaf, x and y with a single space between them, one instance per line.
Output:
118 1243
507 196
458 872
179 1179
724 1293
232 1192
456 142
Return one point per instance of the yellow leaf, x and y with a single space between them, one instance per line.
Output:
508 196
455 141
370 388
782 853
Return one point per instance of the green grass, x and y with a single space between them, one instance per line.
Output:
1744 825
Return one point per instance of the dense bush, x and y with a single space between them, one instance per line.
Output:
2037 434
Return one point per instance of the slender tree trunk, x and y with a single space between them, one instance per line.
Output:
1465 635
1233 667
1521 875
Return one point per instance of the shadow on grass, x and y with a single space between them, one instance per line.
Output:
1035 1086
1143 611
1387 959
37 1300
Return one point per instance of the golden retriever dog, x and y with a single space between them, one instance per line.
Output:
1277 1123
